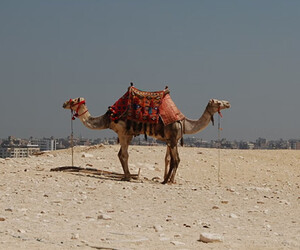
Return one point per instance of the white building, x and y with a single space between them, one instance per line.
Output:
45 144
18 152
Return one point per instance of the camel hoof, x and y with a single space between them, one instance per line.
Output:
165 182
168 182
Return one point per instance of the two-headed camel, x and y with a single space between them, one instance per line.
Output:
171 133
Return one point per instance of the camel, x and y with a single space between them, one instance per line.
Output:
171 133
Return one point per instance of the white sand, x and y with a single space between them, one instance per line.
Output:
256 206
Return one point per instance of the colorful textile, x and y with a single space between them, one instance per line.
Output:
119 108
145 107
168 111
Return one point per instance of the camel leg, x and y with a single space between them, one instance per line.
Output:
172 179
173 164
123 156
167 161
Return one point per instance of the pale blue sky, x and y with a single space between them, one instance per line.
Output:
246 52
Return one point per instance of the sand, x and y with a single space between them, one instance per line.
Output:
254 206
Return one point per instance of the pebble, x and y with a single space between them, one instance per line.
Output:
86 155
232 190
177 243
268 227
285 202
75 236
205 225
104 217
233 216
164 238
210 238
158 228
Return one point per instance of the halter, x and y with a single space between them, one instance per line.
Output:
212 116
75 113
219 112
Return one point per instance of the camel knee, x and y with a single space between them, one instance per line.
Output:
123 155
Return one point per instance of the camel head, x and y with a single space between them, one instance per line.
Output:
215 106
73 103
75 106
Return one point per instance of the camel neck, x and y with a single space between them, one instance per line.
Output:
195 126
101 122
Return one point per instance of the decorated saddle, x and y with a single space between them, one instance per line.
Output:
145 107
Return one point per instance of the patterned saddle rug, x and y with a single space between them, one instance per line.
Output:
146 107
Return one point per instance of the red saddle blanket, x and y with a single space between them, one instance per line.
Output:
146 107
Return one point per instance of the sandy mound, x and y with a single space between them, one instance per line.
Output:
256 205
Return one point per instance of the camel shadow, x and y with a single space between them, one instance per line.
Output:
102 174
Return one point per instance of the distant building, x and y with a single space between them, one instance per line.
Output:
246 145
261 143
18 151
45 144
295 144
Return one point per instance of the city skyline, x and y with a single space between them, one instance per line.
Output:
142 139
244 52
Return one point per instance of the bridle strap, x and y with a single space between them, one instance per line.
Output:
219 112
212 116
75 113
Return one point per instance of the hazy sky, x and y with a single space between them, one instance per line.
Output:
247 52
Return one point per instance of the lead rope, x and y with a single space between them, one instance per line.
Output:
72 144
219 147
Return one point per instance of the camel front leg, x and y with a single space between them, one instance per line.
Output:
167 161
123 156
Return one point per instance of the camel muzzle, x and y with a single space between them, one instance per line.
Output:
65 105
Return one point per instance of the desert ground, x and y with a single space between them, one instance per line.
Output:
254 205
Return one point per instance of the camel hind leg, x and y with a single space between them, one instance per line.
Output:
167 161
170 177
123 155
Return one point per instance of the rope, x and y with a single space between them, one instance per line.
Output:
219 147
72 144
